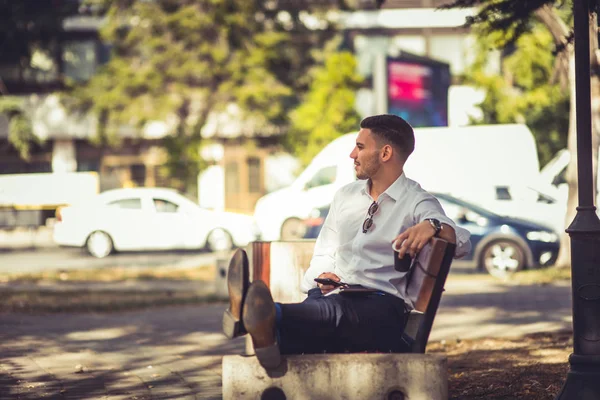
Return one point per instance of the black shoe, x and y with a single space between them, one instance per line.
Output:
259 320
238 277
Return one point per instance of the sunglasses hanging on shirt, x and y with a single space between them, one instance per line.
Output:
369 221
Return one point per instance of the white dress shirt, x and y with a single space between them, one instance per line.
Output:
368 258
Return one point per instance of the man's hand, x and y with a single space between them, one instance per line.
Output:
327 288
414 239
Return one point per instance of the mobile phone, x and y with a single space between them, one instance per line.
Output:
328 281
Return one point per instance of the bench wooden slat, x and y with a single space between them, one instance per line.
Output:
431 267
435 268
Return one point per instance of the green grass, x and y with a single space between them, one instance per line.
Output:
542 276
118 274
41 301
71 293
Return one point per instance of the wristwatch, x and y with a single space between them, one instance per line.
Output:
435 224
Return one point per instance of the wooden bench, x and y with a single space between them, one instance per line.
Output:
432 270
346 376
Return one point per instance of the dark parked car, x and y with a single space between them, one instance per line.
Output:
501 245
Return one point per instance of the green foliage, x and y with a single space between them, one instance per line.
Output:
19 126
524 93
327 110
511 17
180 61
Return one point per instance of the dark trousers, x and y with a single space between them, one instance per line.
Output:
342 323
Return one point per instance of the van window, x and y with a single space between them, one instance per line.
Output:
503 193
560 178
324 176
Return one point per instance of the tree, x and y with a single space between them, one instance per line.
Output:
185 61
513 18
525 91
328 109
20 132
181 61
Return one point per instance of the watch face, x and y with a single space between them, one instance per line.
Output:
436 224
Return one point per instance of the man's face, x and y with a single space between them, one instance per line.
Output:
366 155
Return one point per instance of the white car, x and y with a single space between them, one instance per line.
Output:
149 219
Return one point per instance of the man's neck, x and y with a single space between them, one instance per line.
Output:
379 184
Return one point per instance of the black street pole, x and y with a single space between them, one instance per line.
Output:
583 378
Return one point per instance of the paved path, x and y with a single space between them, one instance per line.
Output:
473 308
175 352
169 353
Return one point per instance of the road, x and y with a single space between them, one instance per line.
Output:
47 259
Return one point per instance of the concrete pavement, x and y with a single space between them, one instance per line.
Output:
175 352
169 353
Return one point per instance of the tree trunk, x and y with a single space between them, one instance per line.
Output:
564 254
548 16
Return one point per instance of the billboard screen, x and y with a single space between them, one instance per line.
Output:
418 90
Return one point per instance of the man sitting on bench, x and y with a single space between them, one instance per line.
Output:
366 217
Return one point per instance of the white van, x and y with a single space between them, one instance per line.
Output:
554 174
553 180
476 163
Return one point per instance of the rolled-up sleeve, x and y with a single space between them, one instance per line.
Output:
323 259
430 207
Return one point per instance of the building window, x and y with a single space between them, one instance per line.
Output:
42 67
88 165
232 178
254 174
76 57
79 59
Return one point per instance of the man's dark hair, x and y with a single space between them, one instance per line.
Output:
393 130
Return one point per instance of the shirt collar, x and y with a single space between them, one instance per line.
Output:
394 190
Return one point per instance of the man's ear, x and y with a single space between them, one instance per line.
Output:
386 152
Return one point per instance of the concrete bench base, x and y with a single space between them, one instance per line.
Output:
338 376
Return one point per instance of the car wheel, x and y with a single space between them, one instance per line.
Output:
502 257
219 240
292 229
99 244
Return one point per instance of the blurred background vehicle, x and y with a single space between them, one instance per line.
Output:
500 245
149 219
483 149
30 200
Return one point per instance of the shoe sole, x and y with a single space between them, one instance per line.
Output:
237 285
268 357
259 321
